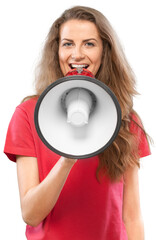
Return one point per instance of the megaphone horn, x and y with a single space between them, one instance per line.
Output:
77 116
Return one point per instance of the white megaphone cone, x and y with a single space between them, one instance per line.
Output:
77 116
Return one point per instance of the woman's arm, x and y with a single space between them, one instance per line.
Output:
38 199
131 206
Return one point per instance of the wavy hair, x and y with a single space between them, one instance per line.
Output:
114 71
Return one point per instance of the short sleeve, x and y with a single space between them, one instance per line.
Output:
136 128
19 139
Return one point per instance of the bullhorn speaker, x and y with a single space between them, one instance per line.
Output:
77 116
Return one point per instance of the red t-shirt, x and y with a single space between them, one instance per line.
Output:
86 209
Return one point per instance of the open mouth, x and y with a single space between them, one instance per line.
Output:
73 66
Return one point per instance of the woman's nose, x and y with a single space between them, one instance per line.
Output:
77 53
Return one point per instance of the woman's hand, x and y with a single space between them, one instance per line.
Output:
67 161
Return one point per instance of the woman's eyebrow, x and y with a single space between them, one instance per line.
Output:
85 40
66 39
89 39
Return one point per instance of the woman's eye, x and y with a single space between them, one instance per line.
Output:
67 44
90 44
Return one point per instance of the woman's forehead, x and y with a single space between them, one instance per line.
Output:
79 29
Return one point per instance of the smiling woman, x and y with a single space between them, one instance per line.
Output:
80 50
89 199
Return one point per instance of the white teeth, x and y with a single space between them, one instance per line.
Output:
78 66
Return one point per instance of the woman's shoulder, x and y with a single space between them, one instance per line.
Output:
135 117
135 120
28 104
136 126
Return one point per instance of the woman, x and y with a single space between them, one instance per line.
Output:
97 198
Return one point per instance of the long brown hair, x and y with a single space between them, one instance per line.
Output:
114 71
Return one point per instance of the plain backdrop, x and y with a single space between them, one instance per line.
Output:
23 29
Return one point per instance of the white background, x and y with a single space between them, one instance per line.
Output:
23 28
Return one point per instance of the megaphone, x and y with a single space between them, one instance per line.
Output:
77 116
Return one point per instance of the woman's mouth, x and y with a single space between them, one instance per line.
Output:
73 66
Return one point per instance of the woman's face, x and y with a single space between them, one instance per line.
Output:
80 46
